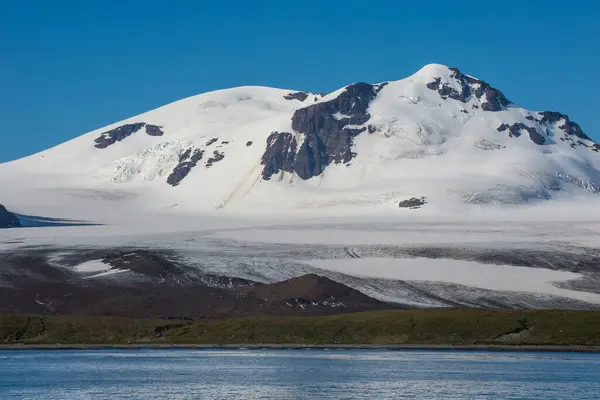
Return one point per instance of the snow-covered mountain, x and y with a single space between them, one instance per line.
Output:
437 139
384 188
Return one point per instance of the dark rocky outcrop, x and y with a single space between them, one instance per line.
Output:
296 96
216 157
491 99
328 130
280 154
116 135
113 136
187 161
517 128
569 127
248 143
495 100
8 219
190 158
549 119
413 203
154 130
446 91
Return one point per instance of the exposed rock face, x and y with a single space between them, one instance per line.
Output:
491 99
190 158
329 129
116 135
280 154
296 96
517 128
211 141
413 203
154 130
216 157
546 123
187 161
570 128
8 219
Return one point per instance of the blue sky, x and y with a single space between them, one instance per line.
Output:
68 67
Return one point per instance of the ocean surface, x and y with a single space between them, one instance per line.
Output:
296 374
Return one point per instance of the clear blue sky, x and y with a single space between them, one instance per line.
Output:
68 67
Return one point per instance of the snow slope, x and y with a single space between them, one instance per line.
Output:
438 134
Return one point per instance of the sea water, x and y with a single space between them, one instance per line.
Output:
296 374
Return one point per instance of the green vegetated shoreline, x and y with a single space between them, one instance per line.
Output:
493 327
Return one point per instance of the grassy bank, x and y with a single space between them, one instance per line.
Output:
429 326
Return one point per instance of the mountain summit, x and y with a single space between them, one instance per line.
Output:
438 137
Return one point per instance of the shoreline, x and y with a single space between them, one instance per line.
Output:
272 346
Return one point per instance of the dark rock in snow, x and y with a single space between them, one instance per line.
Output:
296 96
154 130
116 135
279 155
217 156
413 203
569 127
187 161
328 137
8 219
211 141
503 127
492 99
329 129
495 99
248 143
535 136
517 128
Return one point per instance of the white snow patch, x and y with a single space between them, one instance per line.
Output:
339 116
468 273
92 266
109 272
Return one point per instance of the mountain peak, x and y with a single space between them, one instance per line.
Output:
432 71
439 135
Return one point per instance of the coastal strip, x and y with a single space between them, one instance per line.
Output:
278 346
418 329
